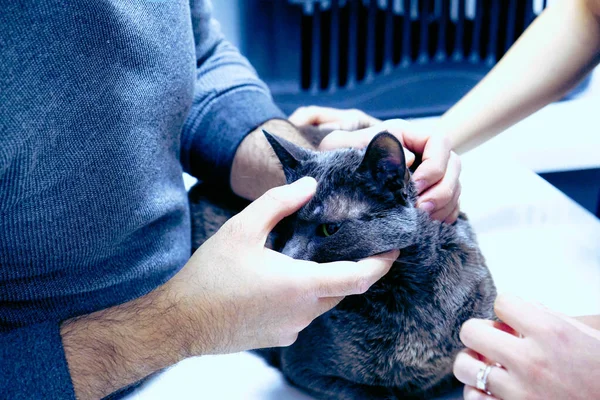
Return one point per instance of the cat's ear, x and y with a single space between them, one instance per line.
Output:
289 154
384 160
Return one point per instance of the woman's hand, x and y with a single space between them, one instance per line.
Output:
543 354
436 178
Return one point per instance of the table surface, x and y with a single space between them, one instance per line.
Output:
538 243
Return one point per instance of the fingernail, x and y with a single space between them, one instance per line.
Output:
427 206
420 185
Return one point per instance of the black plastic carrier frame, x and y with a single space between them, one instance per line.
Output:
391 58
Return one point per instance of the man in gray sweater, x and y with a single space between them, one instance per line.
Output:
103 105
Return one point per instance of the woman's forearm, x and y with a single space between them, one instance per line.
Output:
593 321
557 51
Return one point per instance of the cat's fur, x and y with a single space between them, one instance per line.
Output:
399 339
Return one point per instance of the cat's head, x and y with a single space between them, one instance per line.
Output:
364 203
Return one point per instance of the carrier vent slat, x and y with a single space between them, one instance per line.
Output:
334 73
346 42
352 41
441 51
529 12
370 39
315 70
388 45
493 38
510 26
475 55
424 28
406 33
459 52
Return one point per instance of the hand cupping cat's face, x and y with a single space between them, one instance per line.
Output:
364 203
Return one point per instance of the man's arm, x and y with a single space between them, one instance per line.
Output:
232 295
255 168
559 49
113 348
593 321
230 102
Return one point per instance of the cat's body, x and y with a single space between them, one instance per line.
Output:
399 339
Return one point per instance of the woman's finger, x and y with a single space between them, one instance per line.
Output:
441 193
470 393
466 367
445 212
523 316
434 163
450 219
501 326
490 342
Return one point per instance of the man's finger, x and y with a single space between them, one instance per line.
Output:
344 278
260 217
328 118
360 139
341 139
312 115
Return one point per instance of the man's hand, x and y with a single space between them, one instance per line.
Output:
232 295
242 295
543 354
332 119
436 178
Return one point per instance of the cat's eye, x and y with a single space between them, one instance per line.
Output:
327 229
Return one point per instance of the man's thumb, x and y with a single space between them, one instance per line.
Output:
261 216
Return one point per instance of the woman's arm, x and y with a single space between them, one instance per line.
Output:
593 321
554 54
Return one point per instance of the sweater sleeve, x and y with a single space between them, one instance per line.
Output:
33 364
230 101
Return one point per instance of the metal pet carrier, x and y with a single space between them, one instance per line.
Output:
391 58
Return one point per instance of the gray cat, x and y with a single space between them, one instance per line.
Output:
399 339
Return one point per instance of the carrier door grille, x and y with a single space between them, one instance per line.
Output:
345 42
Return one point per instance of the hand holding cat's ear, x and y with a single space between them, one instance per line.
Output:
234 294
436 177
261 216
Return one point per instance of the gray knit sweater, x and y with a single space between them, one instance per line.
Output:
103 105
